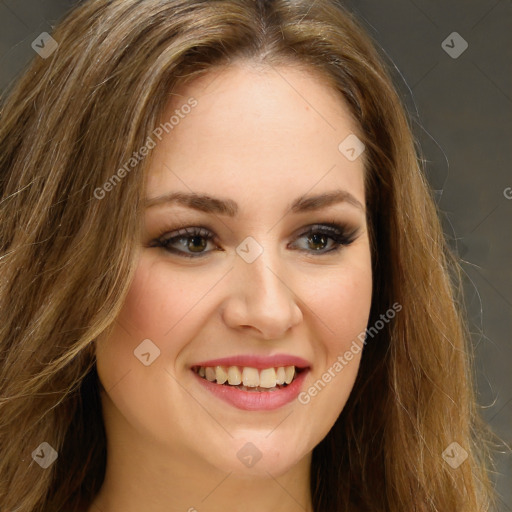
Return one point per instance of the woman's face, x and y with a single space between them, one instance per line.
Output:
271 278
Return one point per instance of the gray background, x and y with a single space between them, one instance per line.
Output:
462 114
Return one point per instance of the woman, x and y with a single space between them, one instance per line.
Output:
224 281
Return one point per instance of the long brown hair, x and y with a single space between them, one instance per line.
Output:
67 256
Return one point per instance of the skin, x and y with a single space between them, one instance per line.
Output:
262 137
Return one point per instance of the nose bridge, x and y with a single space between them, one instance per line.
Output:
263 278
262 298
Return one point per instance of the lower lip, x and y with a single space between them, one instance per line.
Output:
255 400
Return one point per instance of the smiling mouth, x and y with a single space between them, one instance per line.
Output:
246 378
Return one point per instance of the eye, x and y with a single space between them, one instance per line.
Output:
193 241
318 237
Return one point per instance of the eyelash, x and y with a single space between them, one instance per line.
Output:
341 235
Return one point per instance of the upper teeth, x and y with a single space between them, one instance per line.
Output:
250 377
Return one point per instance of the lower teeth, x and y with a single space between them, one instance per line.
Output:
256 389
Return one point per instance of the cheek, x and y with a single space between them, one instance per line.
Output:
154 302
342 307
346 308
162 305
163 302
150 311
342 302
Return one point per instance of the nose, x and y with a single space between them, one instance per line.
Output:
261 298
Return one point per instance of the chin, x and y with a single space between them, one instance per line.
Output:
258 454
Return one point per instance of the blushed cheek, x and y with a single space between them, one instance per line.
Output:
145 314
163 307
163 301
139 319
345 307
154 302
347 304
142 300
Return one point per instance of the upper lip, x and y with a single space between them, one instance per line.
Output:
259 362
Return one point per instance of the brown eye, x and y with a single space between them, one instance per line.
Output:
192 242
318 241
319 236
195 243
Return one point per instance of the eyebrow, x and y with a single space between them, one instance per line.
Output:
209 204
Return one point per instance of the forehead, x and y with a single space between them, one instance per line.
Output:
258 129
